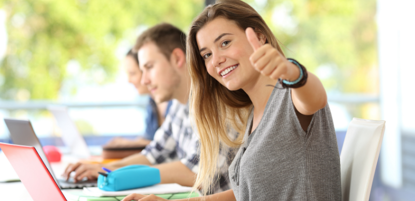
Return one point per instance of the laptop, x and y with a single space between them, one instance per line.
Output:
32 172
40 184
70 134
22 133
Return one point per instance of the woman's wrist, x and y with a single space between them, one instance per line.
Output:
295 72
301 76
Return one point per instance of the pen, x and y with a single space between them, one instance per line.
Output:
106 170
103 174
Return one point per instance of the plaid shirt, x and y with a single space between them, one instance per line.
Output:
175 140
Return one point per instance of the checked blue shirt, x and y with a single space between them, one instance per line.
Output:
175 140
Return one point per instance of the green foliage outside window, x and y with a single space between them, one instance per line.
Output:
44 35
334 39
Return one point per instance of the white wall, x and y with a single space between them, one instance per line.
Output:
396 40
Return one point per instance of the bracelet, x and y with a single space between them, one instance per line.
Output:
302 79
299 78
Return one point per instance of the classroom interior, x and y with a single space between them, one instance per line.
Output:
68 53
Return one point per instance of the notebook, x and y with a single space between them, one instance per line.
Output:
156 189
22 133
77 195
70 134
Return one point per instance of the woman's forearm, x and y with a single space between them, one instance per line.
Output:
311 97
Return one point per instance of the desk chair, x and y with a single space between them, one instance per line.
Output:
359 157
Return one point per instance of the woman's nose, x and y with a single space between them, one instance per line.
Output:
217 60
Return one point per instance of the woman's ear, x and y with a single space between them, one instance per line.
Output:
178 57
261 37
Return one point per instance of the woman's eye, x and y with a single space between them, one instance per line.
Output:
225 43
205 56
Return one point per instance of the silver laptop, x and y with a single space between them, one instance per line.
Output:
22 133
70 134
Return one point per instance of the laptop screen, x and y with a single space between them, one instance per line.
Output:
70 134
21 132
32 172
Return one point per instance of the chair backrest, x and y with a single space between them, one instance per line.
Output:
359 157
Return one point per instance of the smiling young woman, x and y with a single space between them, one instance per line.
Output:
241 78
289 150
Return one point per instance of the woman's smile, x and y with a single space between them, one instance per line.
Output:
228 71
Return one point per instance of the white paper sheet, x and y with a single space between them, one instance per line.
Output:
7 173
156 189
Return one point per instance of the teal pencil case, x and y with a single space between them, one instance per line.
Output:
129 177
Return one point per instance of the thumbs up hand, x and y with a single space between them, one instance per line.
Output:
269 61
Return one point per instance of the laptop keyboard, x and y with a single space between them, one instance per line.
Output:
71 185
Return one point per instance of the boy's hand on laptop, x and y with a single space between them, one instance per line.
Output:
82 170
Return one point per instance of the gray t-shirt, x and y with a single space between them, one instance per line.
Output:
280 161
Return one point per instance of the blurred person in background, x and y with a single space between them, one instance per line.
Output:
156 112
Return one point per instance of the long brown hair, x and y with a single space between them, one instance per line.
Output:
214 107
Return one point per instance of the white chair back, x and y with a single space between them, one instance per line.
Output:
359 157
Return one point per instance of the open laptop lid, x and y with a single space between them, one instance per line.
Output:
70 134
32 172
21 132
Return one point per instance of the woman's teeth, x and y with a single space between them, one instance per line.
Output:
223 73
